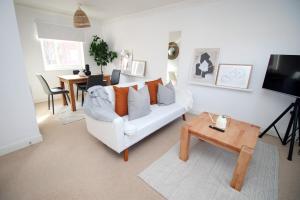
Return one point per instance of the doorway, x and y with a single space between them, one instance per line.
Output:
173 56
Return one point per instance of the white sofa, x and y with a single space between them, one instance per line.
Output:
120 134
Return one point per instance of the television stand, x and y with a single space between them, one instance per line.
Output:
294 124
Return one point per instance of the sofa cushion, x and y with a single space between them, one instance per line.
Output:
138 103
121 100
166 94
111 93
153 87
159 116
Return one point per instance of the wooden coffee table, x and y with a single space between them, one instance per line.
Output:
239 137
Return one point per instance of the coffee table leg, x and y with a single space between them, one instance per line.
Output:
184 143
241 167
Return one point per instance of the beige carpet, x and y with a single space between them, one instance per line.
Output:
71 164
208 172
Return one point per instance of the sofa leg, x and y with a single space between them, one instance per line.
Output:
183 117
125 155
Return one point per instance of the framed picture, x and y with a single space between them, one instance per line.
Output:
138 68
126 61
205 65
234 76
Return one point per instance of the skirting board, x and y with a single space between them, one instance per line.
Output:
20 144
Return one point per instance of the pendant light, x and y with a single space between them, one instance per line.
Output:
80 19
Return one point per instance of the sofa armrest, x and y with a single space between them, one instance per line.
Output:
184 97
110 133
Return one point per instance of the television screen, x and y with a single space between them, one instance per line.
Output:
283 74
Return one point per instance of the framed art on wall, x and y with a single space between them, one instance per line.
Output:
126 61
234 76
138 68
205 65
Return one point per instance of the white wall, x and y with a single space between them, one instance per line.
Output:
17 119
26 17
247 33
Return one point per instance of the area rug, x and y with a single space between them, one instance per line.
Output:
66 116
208 172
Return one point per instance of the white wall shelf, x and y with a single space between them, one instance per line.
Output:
222 87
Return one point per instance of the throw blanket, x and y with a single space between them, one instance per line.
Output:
98 106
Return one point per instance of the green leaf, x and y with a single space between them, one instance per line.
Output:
99 50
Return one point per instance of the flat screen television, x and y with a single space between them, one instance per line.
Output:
283 74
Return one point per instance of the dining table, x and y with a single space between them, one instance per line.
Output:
70 80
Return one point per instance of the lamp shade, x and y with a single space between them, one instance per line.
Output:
80 19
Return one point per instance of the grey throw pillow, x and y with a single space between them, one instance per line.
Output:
166 94
138 103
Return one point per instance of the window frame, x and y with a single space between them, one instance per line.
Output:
59 67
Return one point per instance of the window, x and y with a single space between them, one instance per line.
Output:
62 54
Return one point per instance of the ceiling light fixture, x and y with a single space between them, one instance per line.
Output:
80 19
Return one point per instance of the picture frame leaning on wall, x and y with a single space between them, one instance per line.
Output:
234 75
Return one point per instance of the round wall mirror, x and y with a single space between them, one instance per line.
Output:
173 50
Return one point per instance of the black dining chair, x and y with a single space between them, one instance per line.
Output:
115 77
92 80
76 72
52 91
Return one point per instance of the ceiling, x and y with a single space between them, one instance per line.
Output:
99 9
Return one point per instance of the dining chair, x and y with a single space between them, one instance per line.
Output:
76 72
115 77
52 91
92 80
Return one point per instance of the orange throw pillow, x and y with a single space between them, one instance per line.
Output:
153 88
121 100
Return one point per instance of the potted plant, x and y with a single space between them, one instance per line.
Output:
101 53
